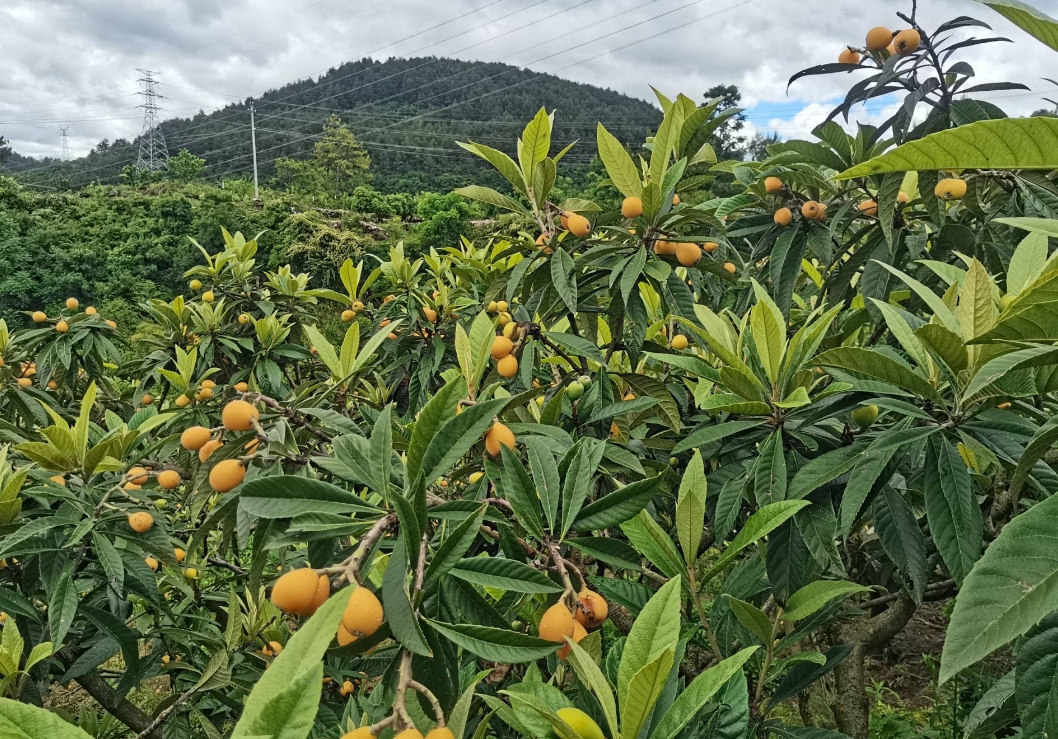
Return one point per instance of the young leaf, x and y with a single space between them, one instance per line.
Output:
621 169
690 508
759 525
654 633
813 596
702 689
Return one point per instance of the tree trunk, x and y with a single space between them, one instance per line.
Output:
851 708
119 708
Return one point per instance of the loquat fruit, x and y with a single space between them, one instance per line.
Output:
501 347
578 225
632 207
868 207
592 610
950 188
688 254
238 415
169 479
849 56
556 624
295 591
207 449
363 614
227 475
772 185
507 366
72 304
907 41
141 522
195 437
496 435
782 216
878 38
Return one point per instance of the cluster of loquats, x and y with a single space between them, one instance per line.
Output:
500 309
561 622
504 348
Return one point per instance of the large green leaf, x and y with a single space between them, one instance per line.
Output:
284 700
617 507
701 690
951 508
286 496
1003 143
876 366
643 691
651 540
619 165
506 574
711 434
901 538
1012 587
654 633
1027 18
23 721
496 645
995 710
1045 436
1036 681
592 676
455 437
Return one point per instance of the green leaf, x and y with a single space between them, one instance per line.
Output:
496 645
544 470
593 677
690 508
901 538
1004 143
655 632
503 163
578 346
651 540
518 489
813 596
940 309
284 700
1042 440
769 338
752 618
823 469
1036 678
759 525
1037 24
951 508
440 408
1027 262
617 507
1011 588
620 168
711 434
535 142
995 710
399 612
643 691
62 608
564 278
579 480
995 369
456 436
324 350
455 545
286 496
506 574
695 696
23 721
609 550
876 366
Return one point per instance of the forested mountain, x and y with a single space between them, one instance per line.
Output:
408 113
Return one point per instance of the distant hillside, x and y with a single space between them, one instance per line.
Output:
407 112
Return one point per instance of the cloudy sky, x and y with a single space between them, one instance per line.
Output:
73 62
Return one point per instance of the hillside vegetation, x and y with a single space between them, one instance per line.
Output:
408 113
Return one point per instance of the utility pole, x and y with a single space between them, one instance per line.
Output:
65 144
253 143
153 152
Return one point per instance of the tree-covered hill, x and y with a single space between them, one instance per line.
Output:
407 112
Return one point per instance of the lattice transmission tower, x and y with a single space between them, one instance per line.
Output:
65 144
153 153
